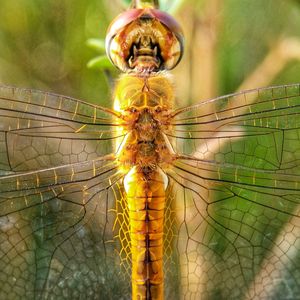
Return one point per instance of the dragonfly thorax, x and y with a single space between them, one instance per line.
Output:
144 104
144 145
146 126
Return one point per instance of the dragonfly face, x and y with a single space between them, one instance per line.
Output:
214 196
144 39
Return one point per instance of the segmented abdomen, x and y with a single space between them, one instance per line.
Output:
146 202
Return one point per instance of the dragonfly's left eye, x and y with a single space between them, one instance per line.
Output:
144 40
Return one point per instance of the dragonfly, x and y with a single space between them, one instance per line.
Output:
144 200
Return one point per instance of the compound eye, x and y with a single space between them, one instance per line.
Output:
115 51
121 21
172 44
144 40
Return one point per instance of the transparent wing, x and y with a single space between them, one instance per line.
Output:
59 195
39 130
238 232
237 194
257 128
58 236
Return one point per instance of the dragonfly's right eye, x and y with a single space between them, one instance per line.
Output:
144 40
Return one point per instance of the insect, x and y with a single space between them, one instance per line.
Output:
145 200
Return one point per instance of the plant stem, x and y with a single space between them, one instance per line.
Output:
145 3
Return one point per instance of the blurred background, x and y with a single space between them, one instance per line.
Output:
230 45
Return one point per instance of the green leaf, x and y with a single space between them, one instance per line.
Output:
100 62
127 2
173 7
97 44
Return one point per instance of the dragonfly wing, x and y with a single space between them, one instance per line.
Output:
57 233
237 196
39 130
258 129
238 231
59 189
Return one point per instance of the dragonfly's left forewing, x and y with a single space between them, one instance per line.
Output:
258 128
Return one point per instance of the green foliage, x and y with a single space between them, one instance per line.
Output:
97 44
49 44
100 62
167 5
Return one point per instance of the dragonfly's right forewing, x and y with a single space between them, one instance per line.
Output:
40 130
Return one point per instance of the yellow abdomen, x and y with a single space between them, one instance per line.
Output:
146 204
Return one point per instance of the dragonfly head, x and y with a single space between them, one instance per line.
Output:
144 40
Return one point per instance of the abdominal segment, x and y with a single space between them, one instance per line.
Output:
146 204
